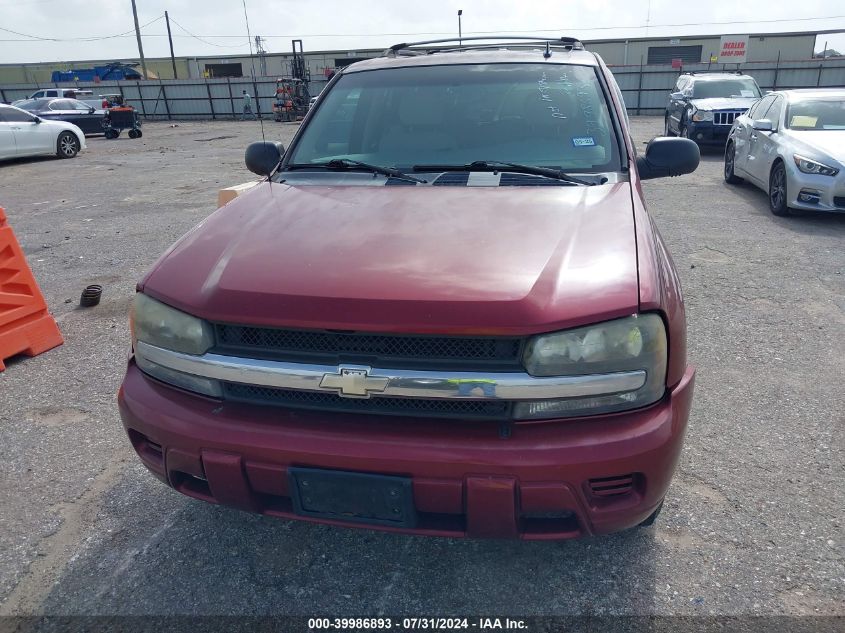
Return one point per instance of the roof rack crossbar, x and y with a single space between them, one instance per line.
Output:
568 42
487 47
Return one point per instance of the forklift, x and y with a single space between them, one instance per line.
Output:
292 95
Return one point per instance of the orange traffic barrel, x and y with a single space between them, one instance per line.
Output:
26 326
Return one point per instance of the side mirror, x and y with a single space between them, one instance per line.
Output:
263 157
668 156
91 110
763 125
677 95
37 119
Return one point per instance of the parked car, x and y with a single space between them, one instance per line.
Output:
85 117
445 312
792 145
23 134
86 96
703 106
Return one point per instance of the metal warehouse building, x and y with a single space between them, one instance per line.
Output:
616 52
646 69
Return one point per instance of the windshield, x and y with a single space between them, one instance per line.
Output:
535 114
726 89
816 114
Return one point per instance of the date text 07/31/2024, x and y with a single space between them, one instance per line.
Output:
416 623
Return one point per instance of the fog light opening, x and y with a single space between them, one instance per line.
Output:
809 197
191 485
149 451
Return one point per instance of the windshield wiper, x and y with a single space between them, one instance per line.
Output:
348 163
497 165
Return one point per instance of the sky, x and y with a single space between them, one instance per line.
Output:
67 30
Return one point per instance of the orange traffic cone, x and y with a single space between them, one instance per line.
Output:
25 325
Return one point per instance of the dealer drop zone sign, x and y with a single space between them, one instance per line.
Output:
733 49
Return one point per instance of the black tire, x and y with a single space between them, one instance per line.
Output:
133 134
112 134
777 190
652 517
730 159
666 129
67 145
139 134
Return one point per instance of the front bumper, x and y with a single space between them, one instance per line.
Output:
826 193
706 133
539 483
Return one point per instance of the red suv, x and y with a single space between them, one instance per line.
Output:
445 311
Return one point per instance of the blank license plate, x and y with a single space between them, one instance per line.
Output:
347 496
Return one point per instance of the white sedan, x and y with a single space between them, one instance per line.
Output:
22 134
791 144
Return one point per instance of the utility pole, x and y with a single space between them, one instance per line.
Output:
170 39
460 34
138 35
262 59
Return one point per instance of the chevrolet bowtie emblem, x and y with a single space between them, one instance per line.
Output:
354 382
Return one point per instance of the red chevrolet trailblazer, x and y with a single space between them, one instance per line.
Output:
444 311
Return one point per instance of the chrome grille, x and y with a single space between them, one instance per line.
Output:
726 118
417 407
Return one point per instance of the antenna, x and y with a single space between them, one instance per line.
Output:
252 60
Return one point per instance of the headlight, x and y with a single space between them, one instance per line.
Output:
630 344
157 324
160 325
702 115
812 167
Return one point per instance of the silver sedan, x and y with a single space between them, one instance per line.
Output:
791 144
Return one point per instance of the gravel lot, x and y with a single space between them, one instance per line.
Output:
752 524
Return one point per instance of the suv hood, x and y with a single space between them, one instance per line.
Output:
503 260
724 103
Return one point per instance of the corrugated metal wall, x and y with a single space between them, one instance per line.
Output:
645 88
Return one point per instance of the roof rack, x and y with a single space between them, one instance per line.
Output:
713 72
499 41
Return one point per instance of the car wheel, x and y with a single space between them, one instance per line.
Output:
666 130
777 190
652 517
68 145
730 159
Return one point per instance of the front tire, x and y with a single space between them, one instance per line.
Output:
67 146
730 162
777 190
